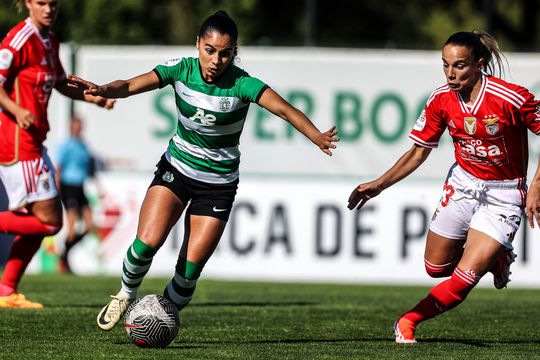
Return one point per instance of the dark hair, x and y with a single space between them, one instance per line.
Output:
220 22
482 46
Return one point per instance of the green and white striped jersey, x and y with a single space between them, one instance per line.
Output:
210 119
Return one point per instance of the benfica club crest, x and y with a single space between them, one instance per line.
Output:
469 123
492 127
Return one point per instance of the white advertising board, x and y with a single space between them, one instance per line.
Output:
300 230
373 96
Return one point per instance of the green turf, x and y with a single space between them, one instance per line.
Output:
243 320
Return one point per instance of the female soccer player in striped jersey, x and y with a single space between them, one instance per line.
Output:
485 192
29 70
199 170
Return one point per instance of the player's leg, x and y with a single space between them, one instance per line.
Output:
481 250
70 240
202 235
23 249
205 221
160 210
441 254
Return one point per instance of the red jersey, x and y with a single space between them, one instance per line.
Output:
29 69
490 136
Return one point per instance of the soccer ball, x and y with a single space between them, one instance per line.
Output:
152 321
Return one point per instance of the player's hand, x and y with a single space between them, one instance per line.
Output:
24 118
326 139
105 103
88 87
362 193
533 204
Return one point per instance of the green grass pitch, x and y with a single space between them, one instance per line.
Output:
248 320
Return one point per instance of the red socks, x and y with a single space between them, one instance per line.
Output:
444 296
437 271
22 251
25 224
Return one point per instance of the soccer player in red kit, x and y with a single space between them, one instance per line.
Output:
29 69
485 192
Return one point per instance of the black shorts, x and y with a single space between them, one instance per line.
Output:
215 200
73 196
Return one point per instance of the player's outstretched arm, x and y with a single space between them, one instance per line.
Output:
409 162
118 88
65 88
533 199
271 101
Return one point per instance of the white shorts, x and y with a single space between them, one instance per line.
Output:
29 181
492 207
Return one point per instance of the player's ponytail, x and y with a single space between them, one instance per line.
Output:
482 46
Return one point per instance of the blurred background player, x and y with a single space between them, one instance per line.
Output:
29 69
200 168
485 192
75 164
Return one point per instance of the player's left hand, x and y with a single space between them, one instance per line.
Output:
89 88
326 139
362 193
532 205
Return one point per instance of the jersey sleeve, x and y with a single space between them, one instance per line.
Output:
430 125
250 89
530 111
9 59
168 72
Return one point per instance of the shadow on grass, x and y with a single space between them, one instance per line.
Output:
481 343
202 305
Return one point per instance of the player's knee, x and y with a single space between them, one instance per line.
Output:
438 271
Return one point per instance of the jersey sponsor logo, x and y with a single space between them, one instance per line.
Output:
204 119
216 209
43 61
6 57
451 124
421 122
224 104
490 152
470 124
537 113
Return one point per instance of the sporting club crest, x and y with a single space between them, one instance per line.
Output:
224 104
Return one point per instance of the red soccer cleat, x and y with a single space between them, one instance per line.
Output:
404 330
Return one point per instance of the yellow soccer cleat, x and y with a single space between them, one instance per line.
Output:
18 301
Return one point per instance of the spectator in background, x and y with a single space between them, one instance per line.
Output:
30 69
74 166
199 171
485 193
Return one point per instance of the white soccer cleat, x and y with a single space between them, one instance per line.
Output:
112 313
501 271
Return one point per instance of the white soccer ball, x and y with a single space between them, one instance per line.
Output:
152 321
